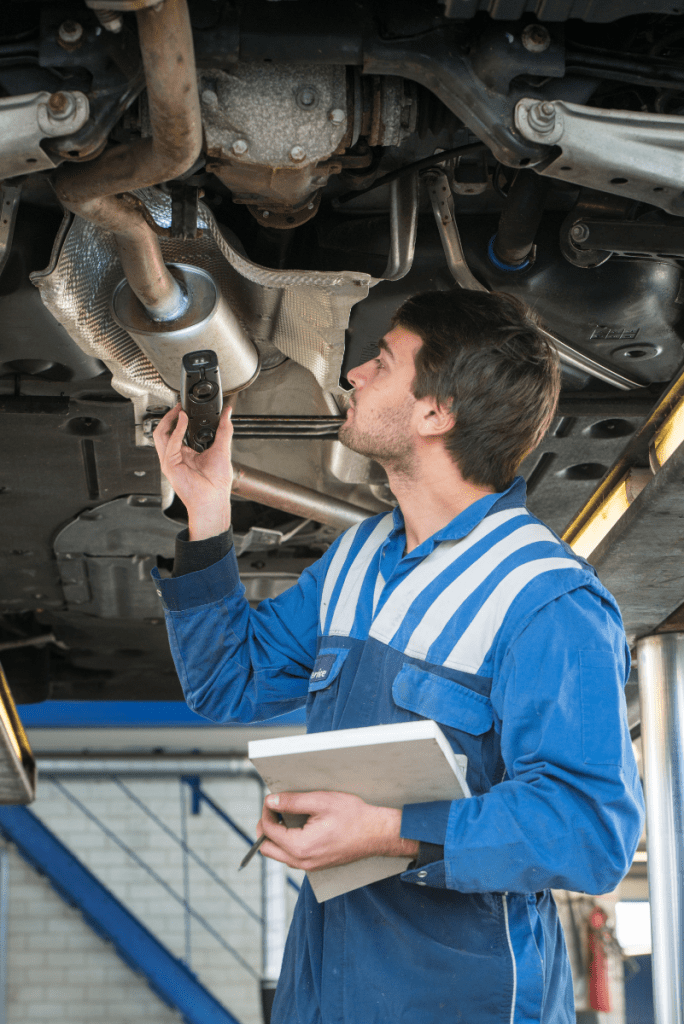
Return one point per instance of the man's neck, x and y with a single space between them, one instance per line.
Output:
430 496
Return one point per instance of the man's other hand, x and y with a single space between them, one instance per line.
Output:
341 828
202 480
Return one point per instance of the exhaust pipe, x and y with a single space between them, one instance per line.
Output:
164 308
92 190
270 490
275 492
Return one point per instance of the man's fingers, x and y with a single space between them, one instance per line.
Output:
165 430
269 849
224 434
175 439
298 803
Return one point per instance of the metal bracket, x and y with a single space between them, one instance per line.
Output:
26 120
622 152
258 538
442 201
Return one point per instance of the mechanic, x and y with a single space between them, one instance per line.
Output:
458 606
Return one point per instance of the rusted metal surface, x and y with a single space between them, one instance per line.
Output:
91 190
295 499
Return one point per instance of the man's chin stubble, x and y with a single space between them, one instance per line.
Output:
395 460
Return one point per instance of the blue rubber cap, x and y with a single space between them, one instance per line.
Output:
499 264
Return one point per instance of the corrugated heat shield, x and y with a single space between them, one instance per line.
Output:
304 314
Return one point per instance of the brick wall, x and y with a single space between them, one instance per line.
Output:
59 969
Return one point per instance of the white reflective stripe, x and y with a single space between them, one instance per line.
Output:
379 584
347 602
392 615
334 570
435 619
471 649
511 1019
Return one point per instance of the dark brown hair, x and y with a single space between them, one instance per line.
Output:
484 358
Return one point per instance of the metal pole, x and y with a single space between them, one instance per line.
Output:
274 928
661 694
186 873
4 916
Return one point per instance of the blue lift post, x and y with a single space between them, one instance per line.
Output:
168 976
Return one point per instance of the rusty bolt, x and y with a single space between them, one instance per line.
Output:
60 105
70 33
542 117
337 116
297 153
536 38
240 146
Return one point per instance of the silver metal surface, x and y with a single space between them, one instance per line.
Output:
661 688
262 107
26 120
443 209
10 196
624 152
274 914
302 314
4 927
403 226
208 322
158 767
299 501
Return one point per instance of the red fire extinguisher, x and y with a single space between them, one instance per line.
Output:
599 938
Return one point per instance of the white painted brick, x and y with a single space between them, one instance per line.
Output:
53 951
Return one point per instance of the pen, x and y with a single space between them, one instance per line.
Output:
252 850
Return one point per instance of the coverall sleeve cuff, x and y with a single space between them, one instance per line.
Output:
426 822
207 586
430 874
193 555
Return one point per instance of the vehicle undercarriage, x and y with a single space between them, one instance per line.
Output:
271 179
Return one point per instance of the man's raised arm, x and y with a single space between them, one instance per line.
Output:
202 480
234 663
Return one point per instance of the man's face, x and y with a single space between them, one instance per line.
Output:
380 420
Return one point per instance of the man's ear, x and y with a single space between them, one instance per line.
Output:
435 419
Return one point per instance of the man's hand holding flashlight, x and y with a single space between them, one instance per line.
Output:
202 480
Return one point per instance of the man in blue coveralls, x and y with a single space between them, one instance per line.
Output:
458 606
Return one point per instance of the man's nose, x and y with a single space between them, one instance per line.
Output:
359 374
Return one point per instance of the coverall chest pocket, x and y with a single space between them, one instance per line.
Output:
323 684
464 716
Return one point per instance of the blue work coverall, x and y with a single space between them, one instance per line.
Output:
497 631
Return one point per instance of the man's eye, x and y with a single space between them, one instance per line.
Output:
378 362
